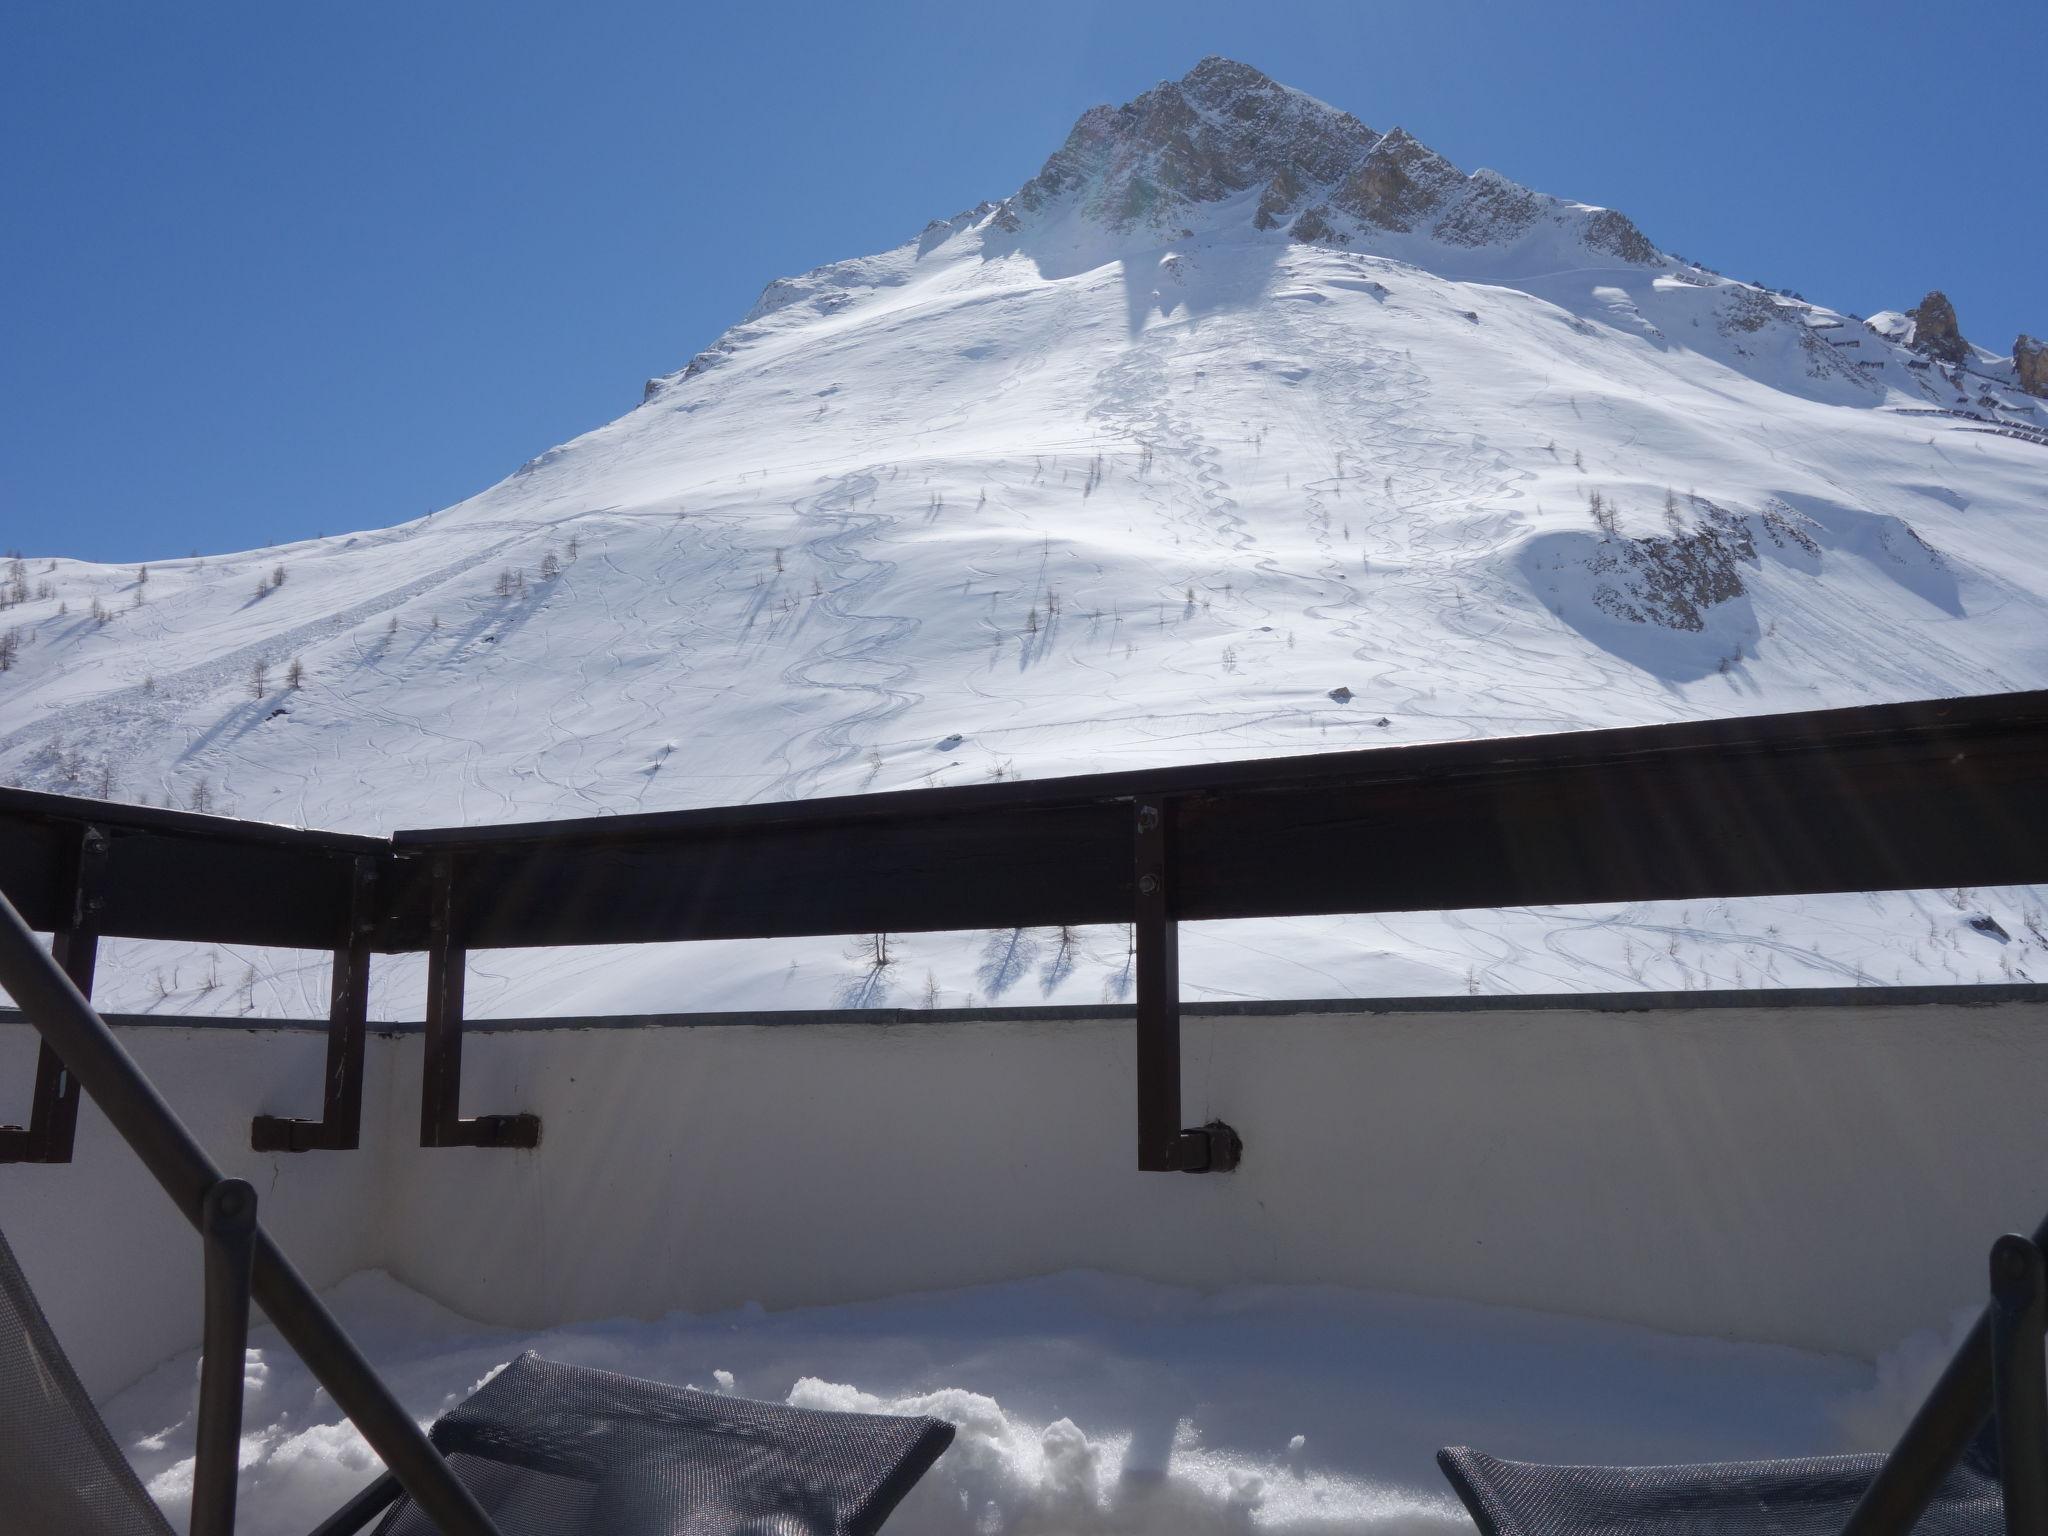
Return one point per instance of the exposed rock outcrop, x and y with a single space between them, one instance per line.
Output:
1400 182
1314 227
1492 209
1935 331
2030 361
1616 233
1221 129
1747 309
1673 580
1225 129
1278 200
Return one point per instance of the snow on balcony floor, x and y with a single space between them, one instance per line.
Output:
1087 1403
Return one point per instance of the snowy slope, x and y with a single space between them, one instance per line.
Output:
1238 403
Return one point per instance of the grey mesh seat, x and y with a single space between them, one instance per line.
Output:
552 1449
548 1449
60 1470
1808 1496
1973 1461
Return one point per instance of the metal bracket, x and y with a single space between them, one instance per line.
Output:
53 1111
1163 1146
441 1122
339 1128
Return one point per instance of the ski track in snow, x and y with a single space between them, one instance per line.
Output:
859 660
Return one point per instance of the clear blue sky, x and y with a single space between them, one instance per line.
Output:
271 270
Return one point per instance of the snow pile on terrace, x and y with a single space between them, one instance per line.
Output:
1089 1404
1241 429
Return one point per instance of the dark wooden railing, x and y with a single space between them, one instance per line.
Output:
1884 797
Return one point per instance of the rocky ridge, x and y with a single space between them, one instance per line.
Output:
1226 152
1225 130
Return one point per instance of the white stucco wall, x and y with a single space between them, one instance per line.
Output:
1821 1176
1829 1178
116 1268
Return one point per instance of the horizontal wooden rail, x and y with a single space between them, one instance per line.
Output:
180 875
1879 798
1882 797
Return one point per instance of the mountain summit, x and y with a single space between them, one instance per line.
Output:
1240 429
1225 131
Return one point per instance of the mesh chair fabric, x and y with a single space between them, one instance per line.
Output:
562 1449
60 1471
1808 1496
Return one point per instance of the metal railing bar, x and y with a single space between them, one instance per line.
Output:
121 815
361 1510
1729 739
228 1226
180 1165
2019 1380
1934 1442
1891 797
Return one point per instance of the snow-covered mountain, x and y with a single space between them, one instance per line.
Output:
1241 429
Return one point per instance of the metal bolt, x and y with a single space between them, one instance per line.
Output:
2010 1258
1148 818
1148 883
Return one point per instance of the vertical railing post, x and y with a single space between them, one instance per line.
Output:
53 1122
1157 964
348 1023
227 1227
441 1068
1163 1146
53 1110
2019 1382
339 1128
441 1122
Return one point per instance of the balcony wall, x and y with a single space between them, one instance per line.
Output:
1817 1170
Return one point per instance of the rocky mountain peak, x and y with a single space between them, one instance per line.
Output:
1935 331
2030 363
1221 129
1155 164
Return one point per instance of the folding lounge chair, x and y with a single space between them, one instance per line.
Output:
1974 1462
545 1447
542 1449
